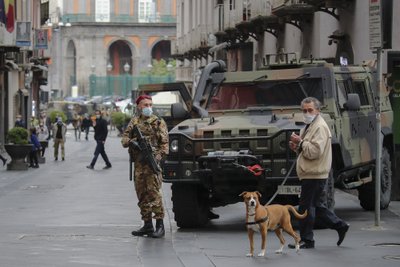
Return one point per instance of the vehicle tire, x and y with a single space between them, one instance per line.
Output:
189 205
366 193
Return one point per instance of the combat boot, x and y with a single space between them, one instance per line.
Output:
147 229
160 231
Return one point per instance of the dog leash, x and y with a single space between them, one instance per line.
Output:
283 182
256 170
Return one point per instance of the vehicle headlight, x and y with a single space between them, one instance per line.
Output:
174 146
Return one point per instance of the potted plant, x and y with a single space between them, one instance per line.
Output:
18 148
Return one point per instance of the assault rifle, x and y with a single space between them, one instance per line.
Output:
146 150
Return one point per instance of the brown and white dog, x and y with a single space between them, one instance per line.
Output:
272 217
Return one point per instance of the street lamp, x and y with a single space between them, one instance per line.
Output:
127 68
109 69
149 68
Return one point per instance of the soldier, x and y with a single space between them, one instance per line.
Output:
148 183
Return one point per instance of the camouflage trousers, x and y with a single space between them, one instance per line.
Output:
148 191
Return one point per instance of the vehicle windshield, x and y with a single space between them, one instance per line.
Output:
264 94
162 101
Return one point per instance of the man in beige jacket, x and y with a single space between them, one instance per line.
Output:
314 161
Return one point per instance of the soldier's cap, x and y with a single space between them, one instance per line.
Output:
141 97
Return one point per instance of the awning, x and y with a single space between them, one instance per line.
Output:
39 67
23 91
11 64
218 47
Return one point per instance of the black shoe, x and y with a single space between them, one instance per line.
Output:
63 159
55 158
212 215
89 167
107 167
303 244
147 229
160 231
4 161
342 233
35 166
30 166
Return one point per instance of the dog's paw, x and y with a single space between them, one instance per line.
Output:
249 255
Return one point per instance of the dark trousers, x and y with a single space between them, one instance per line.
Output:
100 150
312 198
33 158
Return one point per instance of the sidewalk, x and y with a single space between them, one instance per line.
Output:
64 214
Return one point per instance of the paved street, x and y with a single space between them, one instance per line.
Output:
63 214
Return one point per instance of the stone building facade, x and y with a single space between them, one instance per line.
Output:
242 32
101 36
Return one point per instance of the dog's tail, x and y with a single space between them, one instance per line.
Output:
295 213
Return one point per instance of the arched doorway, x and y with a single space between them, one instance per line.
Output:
120 56
161 50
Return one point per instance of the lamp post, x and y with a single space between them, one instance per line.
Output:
149 68
127 68
169 69
92 80
109 69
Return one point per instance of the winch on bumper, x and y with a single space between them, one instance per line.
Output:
238 165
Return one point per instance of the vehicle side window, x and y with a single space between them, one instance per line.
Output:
342 94
359 88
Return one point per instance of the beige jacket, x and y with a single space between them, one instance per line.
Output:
315 158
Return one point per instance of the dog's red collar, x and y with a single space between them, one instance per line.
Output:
259 221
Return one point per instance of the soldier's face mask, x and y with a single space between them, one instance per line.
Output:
147 111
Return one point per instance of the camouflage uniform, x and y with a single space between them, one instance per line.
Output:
147 183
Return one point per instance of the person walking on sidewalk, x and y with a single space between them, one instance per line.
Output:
59 133
86 123
314 161
147 183
100 135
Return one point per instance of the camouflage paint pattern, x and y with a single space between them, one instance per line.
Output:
148 184
258 110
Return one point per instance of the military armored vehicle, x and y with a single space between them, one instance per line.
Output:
238 138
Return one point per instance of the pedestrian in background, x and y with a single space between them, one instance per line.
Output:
100 135
33 154
3 159
59 132
19 122
76 123
43 135
147 183
86 123
314 161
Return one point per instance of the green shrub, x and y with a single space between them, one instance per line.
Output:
57 113
18 136
119 118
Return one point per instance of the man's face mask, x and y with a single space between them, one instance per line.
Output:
308 118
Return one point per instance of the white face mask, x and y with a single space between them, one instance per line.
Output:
147 111
308 118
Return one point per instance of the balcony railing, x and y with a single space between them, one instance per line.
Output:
84 18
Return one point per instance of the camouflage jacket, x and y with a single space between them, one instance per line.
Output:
154 129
